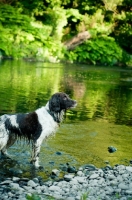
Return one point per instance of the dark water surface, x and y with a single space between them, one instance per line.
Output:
102 118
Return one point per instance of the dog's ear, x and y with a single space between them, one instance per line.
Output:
54 103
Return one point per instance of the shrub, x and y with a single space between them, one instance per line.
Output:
101 50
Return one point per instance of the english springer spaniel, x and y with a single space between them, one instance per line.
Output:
34 126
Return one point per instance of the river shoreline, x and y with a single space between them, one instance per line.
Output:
89 181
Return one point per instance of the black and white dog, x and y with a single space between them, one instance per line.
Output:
35 126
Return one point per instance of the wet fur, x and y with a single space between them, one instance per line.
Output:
34 126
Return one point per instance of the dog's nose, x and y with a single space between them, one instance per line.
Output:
75 102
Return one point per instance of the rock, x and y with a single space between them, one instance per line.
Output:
130 186
70 198
6 182
36 180
80 179
64 167
16 186
15 179
55 172
54 188
111 176
68 177
32 183
58 153
112 149
89 167
71 169
80 173
93 176
129 169
128 192
101 183
123 186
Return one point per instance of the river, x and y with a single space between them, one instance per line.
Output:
102 118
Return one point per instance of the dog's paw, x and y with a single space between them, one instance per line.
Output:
41 168
36 166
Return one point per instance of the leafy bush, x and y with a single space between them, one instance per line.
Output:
101 50
23 37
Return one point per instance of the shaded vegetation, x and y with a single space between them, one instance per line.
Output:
37 30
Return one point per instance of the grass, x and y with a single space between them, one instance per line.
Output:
37 197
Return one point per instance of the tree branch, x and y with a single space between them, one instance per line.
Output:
77 40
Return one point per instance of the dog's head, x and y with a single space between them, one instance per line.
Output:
61 101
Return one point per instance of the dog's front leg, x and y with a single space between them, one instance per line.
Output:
4 153
35 154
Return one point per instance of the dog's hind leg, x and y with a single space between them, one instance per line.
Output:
35 153
11 140
3 141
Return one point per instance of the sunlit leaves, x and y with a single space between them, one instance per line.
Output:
112 4
103 50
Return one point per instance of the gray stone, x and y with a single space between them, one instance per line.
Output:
57 196
6 182
54 188
77 197
130 185
32 183
128 191
108 190
93 176
93 182
35 180
68 177
80 179
123 186
122 172
121 167
14 185
80 173
70 198
55 172
111 176
128 168
101 181
98 184
15 179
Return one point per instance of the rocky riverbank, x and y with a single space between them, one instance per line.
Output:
108 183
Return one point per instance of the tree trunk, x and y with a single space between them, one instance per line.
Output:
77 40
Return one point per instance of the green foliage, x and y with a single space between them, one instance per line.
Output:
22 36
33 197
84 196
36 197
102 50
96 23
123 31
38 30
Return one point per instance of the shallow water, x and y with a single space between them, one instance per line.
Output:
102 118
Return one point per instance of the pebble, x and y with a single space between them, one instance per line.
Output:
129 168
104 184
93 176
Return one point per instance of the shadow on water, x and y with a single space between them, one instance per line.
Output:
102 118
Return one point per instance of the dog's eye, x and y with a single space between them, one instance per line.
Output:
65 98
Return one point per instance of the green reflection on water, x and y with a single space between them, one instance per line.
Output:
100 120
88 141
